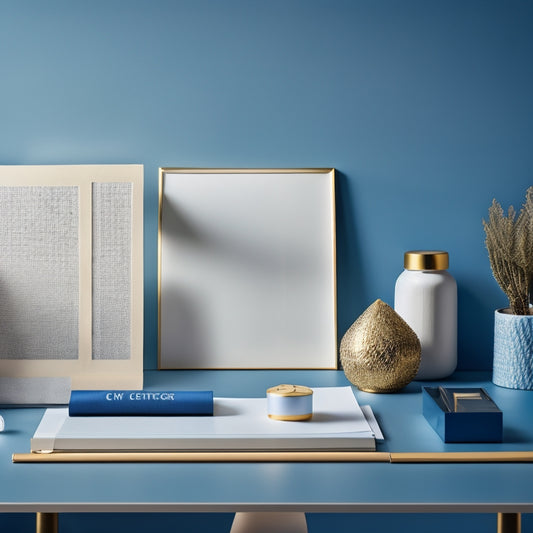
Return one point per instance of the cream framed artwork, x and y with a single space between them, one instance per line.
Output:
247 268
71 278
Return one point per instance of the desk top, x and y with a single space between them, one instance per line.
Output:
318 487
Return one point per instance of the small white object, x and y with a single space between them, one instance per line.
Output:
426 298
372 422
2 423
290 402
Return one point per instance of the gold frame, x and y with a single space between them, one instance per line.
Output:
329 173
85 372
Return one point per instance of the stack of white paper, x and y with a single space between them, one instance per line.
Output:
238 424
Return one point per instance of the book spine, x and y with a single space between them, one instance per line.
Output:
141 403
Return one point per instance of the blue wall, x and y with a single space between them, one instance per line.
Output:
424 107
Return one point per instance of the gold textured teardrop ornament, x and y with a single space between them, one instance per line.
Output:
380 352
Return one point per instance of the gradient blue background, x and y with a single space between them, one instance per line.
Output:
424 107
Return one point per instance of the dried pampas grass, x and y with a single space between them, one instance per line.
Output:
509 241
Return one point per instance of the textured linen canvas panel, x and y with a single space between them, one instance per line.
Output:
111 270
39 272
71 280
247 269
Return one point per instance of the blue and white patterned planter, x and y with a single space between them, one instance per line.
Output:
513 350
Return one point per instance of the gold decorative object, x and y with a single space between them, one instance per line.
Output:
380 352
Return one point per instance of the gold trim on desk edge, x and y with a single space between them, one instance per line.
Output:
183 457
463 457
275 456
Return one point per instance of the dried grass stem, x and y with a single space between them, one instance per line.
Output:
509 241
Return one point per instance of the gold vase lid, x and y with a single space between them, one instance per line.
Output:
426 260
290 390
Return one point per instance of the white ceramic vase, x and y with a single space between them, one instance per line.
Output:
425 296
513 350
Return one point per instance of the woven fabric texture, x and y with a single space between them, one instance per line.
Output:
513 351
39 272
111 270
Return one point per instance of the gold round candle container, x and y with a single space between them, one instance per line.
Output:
290 402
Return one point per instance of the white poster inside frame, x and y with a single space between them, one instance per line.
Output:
247 274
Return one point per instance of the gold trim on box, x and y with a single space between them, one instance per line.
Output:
302 170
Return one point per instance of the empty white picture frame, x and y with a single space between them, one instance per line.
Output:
247 274
71 277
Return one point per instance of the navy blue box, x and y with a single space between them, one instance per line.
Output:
483 423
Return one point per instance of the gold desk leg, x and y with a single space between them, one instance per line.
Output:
47 523
509 522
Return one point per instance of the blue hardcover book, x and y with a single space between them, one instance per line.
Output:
140 403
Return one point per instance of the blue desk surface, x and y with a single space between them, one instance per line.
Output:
319 487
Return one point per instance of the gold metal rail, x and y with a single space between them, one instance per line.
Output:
296 456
